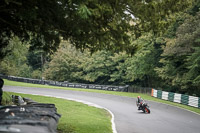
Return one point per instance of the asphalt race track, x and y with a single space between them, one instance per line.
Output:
163 118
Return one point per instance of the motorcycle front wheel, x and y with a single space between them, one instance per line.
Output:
147 110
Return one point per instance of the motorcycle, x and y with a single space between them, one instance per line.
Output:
144 107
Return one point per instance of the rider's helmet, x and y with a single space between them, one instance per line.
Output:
138 99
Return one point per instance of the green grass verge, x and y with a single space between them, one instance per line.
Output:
144 96
76 117
6 99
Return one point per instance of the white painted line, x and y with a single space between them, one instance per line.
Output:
84 102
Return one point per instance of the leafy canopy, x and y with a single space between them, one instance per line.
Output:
91 24
180 57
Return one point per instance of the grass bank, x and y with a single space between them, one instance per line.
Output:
76 117
146 97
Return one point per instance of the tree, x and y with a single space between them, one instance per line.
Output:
178 55
16 62
118 75
140 67
98 67
64 63
94 25
192 80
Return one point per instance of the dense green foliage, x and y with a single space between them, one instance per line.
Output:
16 62
180 58
97 24
105 67
20 61
170 61
160 43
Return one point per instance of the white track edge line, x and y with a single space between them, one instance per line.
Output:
84 102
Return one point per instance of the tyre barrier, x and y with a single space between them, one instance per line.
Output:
66 84
28 117
176 97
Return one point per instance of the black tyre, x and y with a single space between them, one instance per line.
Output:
147 110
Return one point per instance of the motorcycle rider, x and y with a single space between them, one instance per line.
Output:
139 102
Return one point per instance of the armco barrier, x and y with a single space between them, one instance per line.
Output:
66 84
199 103
193 101
165 95
159 94
184 99
178 98
170 96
